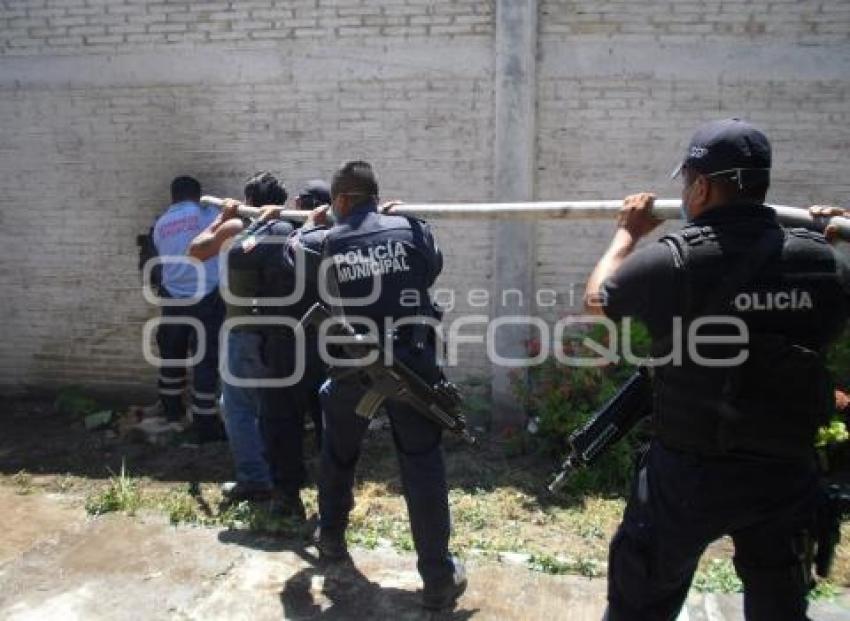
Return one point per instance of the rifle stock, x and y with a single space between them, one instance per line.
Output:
441 402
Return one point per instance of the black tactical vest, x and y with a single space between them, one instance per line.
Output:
256 272
793 303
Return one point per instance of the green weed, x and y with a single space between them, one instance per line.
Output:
718 577
824 589
72 401
583 566
23 482
122 493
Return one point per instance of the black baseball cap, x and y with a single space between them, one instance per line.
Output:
728 147
314 193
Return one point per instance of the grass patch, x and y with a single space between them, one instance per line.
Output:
22 480
718 577
588 567
181 508
122 493
258 518
824 590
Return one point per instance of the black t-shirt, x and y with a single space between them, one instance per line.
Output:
644 288
259 244
650 287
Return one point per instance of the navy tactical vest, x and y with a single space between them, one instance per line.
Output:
256 271
393 256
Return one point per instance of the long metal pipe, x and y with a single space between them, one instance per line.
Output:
667 209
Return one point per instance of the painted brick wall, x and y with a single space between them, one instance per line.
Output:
71 26
91 139
622 85
103 102
803 21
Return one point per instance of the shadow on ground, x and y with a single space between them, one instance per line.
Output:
36 439
322 590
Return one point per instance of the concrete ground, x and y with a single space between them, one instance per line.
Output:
57 563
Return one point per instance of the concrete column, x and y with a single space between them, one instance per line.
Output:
512 290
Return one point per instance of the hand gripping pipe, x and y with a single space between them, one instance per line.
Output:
666 209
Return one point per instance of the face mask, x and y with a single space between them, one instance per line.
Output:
332 215
684 206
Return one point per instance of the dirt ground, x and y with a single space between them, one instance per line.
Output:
499 507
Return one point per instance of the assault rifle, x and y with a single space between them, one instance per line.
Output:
440 402
631 404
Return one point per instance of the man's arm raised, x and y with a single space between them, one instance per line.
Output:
634 222
210 241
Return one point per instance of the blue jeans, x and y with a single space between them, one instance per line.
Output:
241 407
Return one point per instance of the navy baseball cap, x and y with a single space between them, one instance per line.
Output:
314 193
728 147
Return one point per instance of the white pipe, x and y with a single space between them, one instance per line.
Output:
667 209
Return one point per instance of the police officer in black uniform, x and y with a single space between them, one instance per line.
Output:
733 451
369 249
314 194
258 270
284 408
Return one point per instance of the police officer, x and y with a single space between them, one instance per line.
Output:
284 407
172 234
305 396
399 256
246 361
735 419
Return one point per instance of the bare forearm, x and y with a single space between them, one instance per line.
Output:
210 241
621 247
202 247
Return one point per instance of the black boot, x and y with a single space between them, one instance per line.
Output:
331 544
288 505
204 430
444 594
234 492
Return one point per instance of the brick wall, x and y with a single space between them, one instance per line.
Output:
92 137
622 85
810 22
103 102
71 26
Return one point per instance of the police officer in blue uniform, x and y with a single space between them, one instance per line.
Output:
733 450
399 256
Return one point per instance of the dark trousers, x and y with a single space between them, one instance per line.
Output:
283 410
681 503
418 447
178 342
